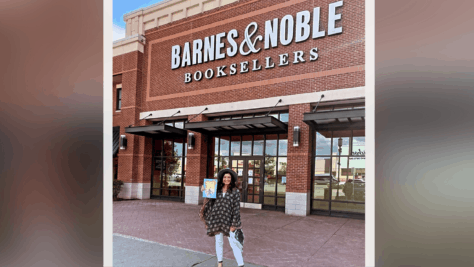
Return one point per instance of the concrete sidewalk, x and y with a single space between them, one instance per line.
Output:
271 238
134 252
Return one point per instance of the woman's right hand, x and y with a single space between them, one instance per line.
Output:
202 188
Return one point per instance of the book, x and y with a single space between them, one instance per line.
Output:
210 188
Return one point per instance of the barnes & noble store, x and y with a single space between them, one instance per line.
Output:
271 89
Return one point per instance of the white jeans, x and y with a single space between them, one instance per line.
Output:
233 244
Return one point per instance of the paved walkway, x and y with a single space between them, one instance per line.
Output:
271 238
149 253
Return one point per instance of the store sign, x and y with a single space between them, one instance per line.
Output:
290 29
358 152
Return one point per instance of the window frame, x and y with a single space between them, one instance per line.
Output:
118 97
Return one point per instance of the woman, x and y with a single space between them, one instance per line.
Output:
222 215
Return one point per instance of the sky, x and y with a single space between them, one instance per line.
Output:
120 8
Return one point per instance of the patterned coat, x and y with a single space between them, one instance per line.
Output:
221 213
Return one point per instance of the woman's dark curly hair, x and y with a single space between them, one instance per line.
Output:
220 179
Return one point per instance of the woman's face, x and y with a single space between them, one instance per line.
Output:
227 179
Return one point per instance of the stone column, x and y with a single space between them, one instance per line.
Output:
298 187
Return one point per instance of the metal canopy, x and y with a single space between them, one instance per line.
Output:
336 120
239 126
156 131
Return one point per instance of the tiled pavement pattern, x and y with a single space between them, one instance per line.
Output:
271 238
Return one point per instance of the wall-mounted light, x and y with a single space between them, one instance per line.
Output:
123 141
296 136
190 141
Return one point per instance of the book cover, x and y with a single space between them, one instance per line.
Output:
210 188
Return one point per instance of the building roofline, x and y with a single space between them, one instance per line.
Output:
140 38
144 9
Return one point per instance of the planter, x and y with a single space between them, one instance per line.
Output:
118 184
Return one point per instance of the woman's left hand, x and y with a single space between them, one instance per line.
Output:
232 229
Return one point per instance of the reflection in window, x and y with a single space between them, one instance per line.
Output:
270 167
224 149
283 145
282 166
178 147
246 145
216 146
320 188
356 168
235 146
340 172
258 145
224 163
168 148
322 166
271 145
345 136
323 144
358 146
158 147
216 166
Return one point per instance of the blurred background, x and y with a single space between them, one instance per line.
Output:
51 133
424 146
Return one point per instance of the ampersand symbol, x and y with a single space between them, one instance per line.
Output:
248 42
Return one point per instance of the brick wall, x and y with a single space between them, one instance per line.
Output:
197 157
148 83
165 88
299 158
135 160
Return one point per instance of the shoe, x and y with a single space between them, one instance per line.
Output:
220 264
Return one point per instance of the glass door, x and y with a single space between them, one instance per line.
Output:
250 173
168 169
238 166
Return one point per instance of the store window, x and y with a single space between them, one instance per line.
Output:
173 123
339 171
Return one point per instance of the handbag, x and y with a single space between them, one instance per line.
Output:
239 236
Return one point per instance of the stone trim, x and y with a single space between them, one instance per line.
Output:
135 191
164 12
193 195
297 204
329 96
126 192
251 205
129 44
